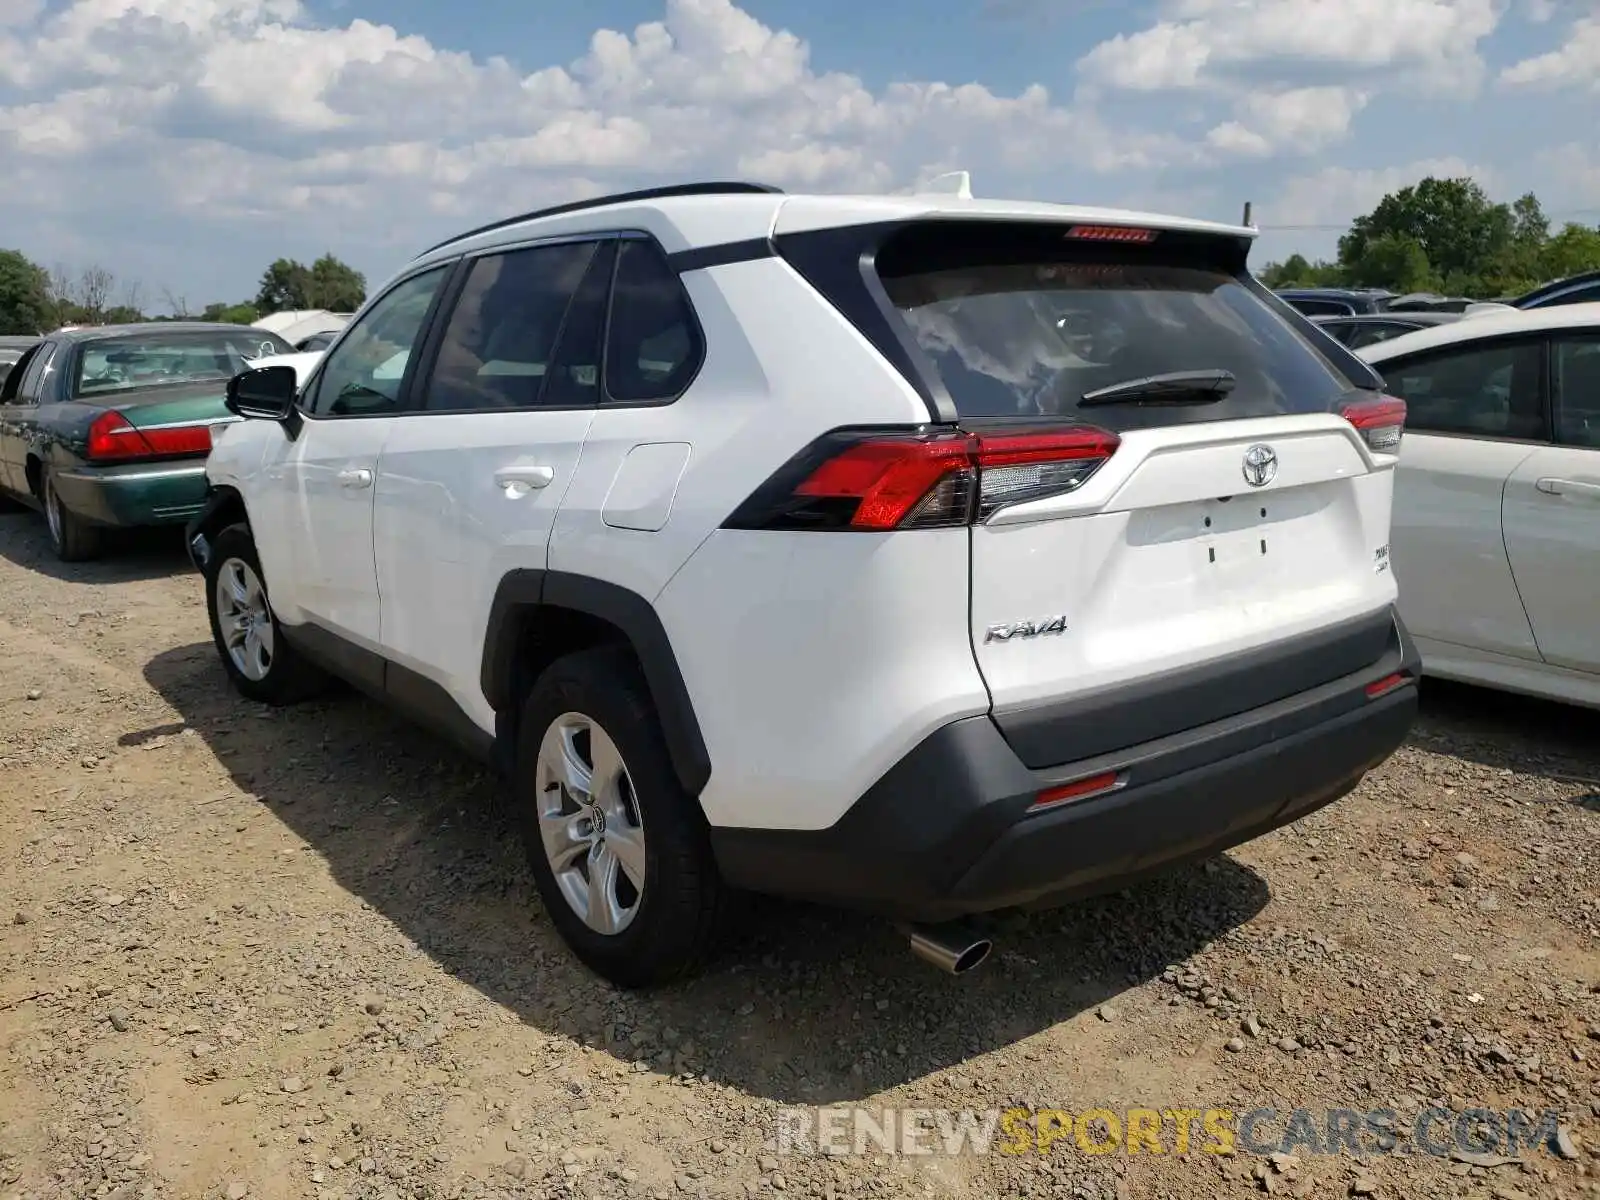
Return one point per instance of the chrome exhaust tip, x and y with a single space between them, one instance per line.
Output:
953 948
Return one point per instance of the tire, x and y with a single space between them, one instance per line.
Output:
267 669
676 916
71 537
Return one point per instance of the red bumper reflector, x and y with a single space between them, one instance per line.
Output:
1382 687
1078 789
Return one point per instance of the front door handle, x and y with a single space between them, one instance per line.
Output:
356 477
518 481
1569 487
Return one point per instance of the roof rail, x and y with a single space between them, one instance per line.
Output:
714 188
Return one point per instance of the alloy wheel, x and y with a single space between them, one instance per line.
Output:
245 619
589 823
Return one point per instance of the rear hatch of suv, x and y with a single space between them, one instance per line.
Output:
1180 490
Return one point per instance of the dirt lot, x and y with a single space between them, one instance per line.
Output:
285 954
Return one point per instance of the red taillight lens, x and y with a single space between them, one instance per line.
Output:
1029 466
872 480
112 438
887 480
1380 422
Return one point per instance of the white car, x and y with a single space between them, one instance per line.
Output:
1497 502
920 554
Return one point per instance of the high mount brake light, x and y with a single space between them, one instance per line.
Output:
113 438
1380 421
880 480
1111 233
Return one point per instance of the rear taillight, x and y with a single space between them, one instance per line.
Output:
1380 422
112 438
877 480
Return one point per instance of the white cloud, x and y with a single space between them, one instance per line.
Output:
242 107
1332 196
1575 64
1201 43
1300 120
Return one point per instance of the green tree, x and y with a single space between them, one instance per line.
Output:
1464 235
286 284
24 295
1395 262
232 314
336 286
1295 271
1575 249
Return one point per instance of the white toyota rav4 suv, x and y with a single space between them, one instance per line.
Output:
923 555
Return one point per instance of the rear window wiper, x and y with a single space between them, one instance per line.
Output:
1175 387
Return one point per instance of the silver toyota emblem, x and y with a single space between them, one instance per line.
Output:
1260 465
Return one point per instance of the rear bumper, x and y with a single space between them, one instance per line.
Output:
947 831
165 493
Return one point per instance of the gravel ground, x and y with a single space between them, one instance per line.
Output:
248 953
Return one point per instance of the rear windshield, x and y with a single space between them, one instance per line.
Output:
1028 334
132 361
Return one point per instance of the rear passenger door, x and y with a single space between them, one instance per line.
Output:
470 479
1552 513
1474 414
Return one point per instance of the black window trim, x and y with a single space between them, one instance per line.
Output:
1540 337
1553 401
451 268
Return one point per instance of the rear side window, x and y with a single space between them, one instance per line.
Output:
1027 327
1488 390
502 336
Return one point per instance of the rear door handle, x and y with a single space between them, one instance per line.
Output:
1569 487
356 477
518 481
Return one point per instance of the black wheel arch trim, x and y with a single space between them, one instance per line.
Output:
521 593
210 520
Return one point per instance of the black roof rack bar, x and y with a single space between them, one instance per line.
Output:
714 188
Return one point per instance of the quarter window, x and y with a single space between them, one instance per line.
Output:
363 374
653 346
1577 391
1487 390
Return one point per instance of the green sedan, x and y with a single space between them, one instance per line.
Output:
109 426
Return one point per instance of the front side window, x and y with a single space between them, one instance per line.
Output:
362 375
134 361
1488 390
501 340
1577 390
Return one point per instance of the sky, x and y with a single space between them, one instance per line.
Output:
185 144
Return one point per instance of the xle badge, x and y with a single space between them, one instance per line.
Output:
1010 631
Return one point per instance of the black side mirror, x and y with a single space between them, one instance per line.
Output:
265 394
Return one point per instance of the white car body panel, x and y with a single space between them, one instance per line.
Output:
1496 542
859 645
